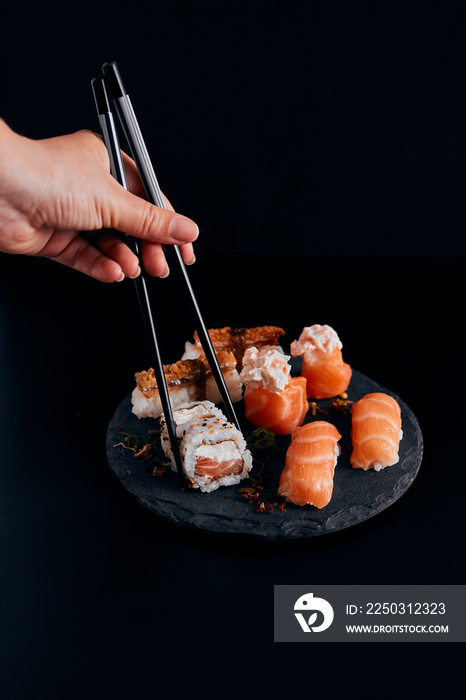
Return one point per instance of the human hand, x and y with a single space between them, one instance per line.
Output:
51 190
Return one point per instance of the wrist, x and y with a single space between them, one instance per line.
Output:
13 155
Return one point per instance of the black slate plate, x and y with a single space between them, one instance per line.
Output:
357 494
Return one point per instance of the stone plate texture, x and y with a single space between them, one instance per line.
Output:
357 495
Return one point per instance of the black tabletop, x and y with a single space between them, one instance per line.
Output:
98 592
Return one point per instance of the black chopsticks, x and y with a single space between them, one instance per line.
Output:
111 85
112 143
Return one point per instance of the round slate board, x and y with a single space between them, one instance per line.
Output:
357 494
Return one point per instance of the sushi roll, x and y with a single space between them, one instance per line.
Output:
213 451
236 340
310 464
187 380
323 367
272 398
375 432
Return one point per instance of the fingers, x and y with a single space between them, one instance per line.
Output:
167 203
134 181
154 225
130 214
154 260
132 176
153 257
187 252
110 259
84 257
118 251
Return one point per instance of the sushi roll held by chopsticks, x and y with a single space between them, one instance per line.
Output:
213 451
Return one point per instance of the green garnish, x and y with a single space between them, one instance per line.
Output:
146 451
263 445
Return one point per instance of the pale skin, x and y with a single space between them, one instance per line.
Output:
51 190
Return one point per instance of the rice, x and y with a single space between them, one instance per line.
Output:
213 451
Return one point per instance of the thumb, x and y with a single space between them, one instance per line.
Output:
130 214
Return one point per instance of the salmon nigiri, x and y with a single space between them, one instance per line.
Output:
272 399
376 432
326 373
310 464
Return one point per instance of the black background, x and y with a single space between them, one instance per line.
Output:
320 147
319 126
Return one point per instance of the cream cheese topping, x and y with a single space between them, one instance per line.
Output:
191 351
184 415
220 452
314 338
265 368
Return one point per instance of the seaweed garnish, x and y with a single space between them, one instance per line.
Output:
263 445
146 451
130 440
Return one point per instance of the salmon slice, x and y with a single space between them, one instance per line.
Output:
376 432
206 466
327 376
326 373
281 412
310 464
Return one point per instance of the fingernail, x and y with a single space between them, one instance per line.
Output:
120 279
183 230
133 277
165 274
192 261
